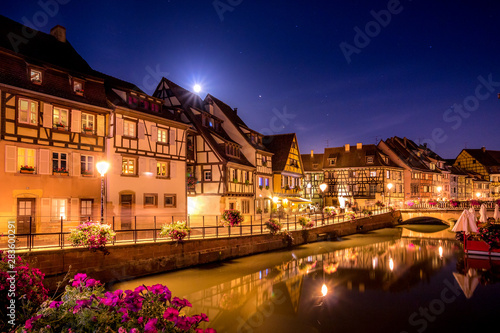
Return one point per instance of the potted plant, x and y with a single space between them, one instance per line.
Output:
350 215
60 171
267 187
453 203
177 231
273 225
247 182
367 212
231 217
27 169
94 235
87 173
235 180
260 187
379 204
432 202
306 222
88 130
259 211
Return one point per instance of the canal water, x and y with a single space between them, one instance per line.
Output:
406 279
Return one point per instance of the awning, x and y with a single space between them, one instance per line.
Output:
298 200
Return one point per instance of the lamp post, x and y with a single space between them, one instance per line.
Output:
102 168
389 186
323 187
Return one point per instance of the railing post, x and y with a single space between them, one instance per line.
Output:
135 228
154 231
61 237
251 225
203 227
113 221
30 237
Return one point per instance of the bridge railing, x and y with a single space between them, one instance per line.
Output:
458 205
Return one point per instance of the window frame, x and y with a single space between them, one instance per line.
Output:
205 173
39 71
60 168
82 213
85 120
126 128
62 127
154 196
29 111
84 170
162 136
174 200
167 166
134 160
25 157
74 84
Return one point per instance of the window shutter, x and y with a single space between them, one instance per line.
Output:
45 211
10 159
117 164
101 125
173 169
76 121
152 166
172 140
143 164
119 126
47 115
141 130
75 209
76 164
154 133
44 162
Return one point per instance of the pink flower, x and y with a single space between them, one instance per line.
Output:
150 326
171 314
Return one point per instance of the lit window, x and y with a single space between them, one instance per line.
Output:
87 165
78 87
207 175
59 209
128 166
162 135
150 200
88 123
59 162
373 173
332 161
161 169
27 112
170 200
36 76
369 159
60 119
129 128
267 182
26 159
245 206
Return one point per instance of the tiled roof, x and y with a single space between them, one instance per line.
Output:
407 151
489 158
312 164
279 145
355 157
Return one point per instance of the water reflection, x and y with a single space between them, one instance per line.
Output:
313 290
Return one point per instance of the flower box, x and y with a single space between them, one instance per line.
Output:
27 171
480 247
60 173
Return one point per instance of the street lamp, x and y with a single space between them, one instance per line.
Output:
102 168
389 186
323 187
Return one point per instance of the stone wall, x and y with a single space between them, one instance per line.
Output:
132 260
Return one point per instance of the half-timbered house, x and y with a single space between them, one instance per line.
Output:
54 117
313 176
253 149
288 172
147 156
219 176
361 174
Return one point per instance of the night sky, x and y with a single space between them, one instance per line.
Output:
334 72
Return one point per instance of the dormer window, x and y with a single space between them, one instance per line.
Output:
36 76
369 159
78 87
332 161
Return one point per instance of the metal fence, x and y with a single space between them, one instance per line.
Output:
457 205
148 229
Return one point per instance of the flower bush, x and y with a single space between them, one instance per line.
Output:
329 211
231 217
350 215
27 168
410 203
432 202
306 222
491 235
21 283
453 203
86 307
177 231
367 212
92 234
474 202
273 225
379 204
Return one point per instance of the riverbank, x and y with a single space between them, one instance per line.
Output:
128 261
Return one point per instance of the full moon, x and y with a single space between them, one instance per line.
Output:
197 88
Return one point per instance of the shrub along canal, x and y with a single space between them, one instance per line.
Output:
411 278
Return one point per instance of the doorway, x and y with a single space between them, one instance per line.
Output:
126 201
25 216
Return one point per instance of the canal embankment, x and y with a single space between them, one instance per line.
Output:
127 261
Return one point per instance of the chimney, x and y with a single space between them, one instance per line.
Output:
209 107
312 153
483 149
347 147
59 32
359 145
236 111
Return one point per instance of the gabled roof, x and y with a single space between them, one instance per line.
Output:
184 96
356 157
279 145
408 152
309 162
488 158
233 117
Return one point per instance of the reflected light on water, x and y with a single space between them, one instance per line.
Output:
441 252
391 264
324 290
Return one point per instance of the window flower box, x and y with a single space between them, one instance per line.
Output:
88 130
87 173
27 169
60 172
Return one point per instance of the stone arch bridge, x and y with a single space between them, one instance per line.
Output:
424 215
